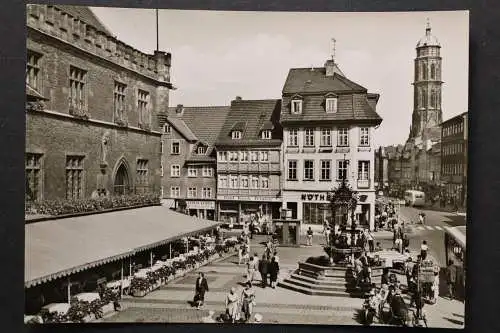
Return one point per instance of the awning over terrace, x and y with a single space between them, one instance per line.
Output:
61 247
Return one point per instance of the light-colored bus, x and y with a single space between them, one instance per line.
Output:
414 198
455 249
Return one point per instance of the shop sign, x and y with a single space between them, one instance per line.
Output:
313 197
200 204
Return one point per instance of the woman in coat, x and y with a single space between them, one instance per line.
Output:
274 270
201 288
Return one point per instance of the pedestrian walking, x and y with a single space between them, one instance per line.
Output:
309 236
264 269
274 270
371 240
248 301
423 250
451 278
251 266
327 235
201 287
232 305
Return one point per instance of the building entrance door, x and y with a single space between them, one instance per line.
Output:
121 184
364 217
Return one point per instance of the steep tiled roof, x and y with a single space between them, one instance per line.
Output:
204 122
182 127
86 15
314 80
349 107
255 114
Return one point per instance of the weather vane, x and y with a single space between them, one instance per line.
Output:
334 41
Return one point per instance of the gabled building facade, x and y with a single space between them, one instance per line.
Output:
454 151
248 162
328 123
189 159
91 126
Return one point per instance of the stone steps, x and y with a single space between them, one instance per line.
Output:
310 291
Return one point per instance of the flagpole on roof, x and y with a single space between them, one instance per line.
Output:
157 34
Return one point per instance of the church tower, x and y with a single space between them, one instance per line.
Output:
426 86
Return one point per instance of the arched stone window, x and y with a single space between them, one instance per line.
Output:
424 71
433 71
424 98
433 99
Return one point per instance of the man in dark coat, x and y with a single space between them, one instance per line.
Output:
264 269
200 290
451 278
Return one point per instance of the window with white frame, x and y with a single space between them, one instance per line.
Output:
191 192
264 181
292 170
364 136
309 137
343 137
254 182
296 106
243 156
308 170
175 192
293 137
33 70
233 181
222 182
78 91
192 171
34 177
236 135
254 156
266 134
175 148
233 156
244 181
74 176
331 105
167 129
264 156
207 193
208 171
119 101
363 170
342 166
326 170
326 137
175 170
222 156
201 150
142 172
143 107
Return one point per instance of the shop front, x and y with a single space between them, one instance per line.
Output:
246 212
314 209
203 209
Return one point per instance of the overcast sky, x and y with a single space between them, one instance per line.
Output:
219 55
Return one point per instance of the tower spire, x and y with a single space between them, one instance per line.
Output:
428 27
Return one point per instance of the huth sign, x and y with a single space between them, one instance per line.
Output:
314 197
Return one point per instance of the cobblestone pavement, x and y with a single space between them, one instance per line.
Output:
170 303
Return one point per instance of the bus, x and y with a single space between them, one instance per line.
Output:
455 249
414 198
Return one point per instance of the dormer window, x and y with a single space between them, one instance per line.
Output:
201 150
236 135
296 106
166 129
266 134
331 105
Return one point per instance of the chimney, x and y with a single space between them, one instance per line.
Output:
330 67
179 109
238 98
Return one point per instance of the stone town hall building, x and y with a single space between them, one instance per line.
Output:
91 124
